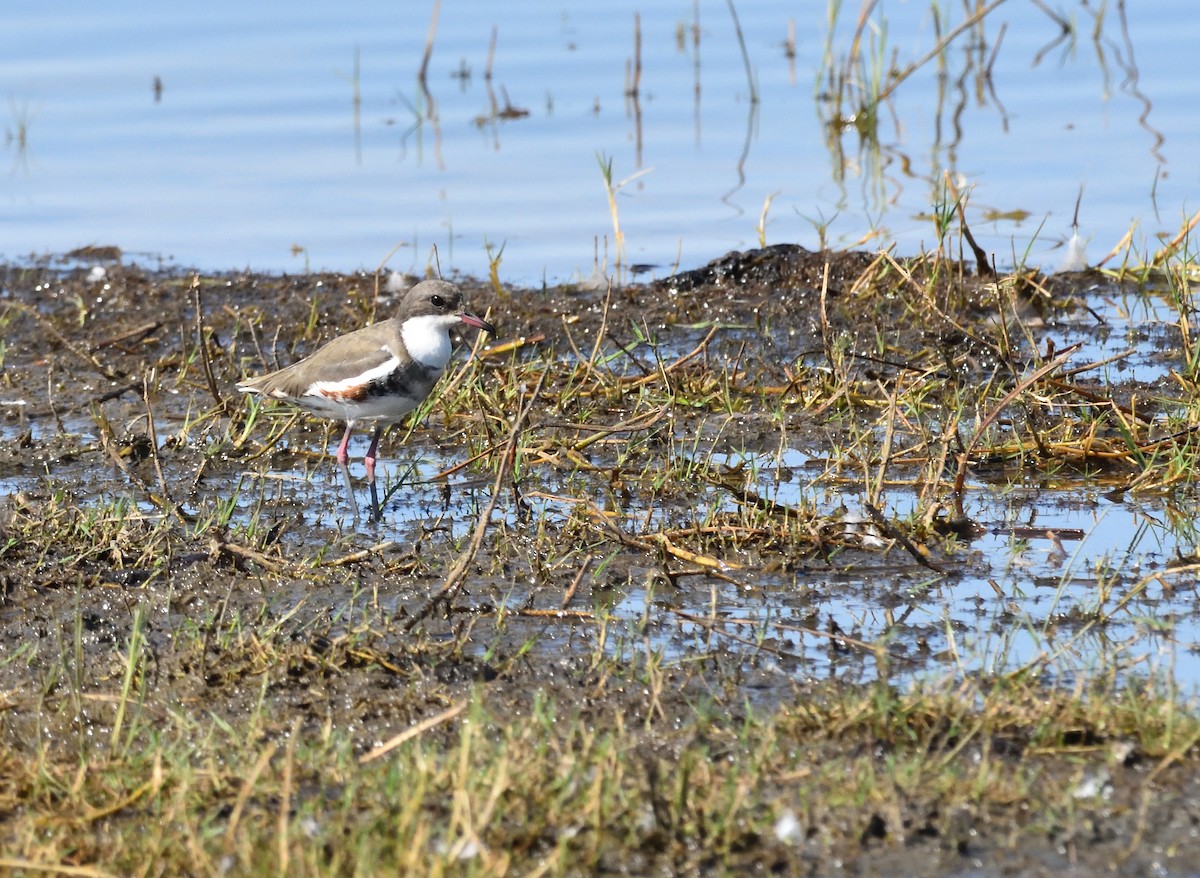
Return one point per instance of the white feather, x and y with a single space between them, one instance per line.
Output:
1075 257
320 388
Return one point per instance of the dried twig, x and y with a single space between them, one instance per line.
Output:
202 340
892 533
412 732
458 572
571 589
1161 256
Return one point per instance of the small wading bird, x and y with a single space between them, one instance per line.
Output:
378 373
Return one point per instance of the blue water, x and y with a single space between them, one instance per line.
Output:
254 155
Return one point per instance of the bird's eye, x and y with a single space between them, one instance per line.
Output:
437 301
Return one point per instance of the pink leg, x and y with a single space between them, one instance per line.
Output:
369 463
343 453
343 459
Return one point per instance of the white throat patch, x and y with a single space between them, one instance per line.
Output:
428 339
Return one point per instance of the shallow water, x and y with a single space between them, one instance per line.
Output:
1051 553
257 144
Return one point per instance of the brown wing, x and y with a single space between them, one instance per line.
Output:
346 359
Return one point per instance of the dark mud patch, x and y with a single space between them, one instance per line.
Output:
731 508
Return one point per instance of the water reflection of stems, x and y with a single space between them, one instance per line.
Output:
427 110
633 67
18 134
737 29
633 86
433 22
868 72
854 85
355 81
895 79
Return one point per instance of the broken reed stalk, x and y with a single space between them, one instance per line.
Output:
574 586
826 331
761 228
1161 256
202 340
602 333
981 258
152 434
611 189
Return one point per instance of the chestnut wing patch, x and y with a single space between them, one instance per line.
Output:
357 386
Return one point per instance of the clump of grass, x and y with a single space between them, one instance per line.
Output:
602 778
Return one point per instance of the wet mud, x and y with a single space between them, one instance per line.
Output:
699 453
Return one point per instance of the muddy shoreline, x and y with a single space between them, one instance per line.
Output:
178 562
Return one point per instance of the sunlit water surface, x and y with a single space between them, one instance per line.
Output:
291 136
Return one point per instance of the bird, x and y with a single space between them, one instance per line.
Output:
378 373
